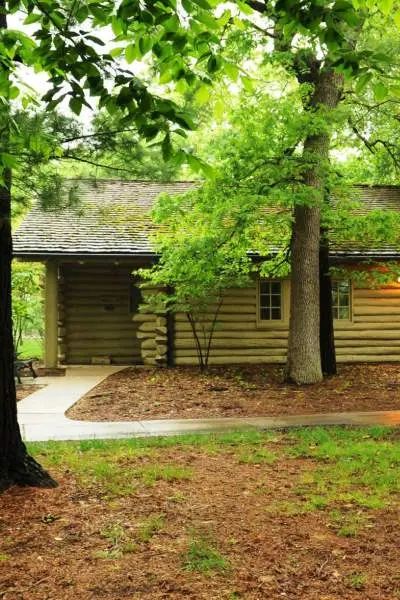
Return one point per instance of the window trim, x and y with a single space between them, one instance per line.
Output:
338 322
285 303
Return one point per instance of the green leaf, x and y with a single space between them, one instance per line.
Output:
130 53
202 95
82 14
14 92
32 18
8 161
380 91
212 64
362 82
75 105
231 70
386 6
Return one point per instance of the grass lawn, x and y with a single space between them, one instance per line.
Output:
310 514
31 348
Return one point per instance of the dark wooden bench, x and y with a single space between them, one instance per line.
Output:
21 365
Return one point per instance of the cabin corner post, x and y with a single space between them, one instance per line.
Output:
51 314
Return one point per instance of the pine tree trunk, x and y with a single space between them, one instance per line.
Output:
327 336
304 359
16 466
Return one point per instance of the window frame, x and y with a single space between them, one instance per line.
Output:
285 303
350 318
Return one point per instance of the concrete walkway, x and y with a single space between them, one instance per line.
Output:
41 415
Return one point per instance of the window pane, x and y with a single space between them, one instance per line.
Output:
344 286
265 300
343 299
264 287
335 312
275 287
276 314
334 296
264 314
276 301
343 313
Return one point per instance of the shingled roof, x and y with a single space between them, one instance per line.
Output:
111 218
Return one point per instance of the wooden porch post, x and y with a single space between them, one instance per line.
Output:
51 315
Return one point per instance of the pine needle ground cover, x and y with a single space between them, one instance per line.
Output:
310 514
235 391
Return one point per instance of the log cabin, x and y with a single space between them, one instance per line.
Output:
91 245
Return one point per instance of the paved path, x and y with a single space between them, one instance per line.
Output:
41 415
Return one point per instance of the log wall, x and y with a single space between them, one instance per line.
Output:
372 335
96 318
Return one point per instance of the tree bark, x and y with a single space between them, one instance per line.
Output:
304 359
16 466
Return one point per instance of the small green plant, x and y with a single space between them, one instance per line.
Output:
177 497
349 523
202 557
119 542
4 557
357 581
148 528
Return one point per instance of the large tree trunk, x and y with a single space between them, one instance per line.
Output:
16 466
304 360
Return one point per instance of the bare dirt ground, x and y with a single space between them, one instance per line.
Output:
184 392
84 541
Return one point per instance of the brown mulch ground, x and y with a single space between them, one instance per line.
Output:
50 539
27 389
236 392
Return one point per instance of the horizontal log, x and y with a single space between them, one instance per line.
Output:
234 352
107 350
230 344
229 360
376 293
147 326
94 324
384 334
144 318
376 350
377 302
181 318
360 358
362 343
378 310
372 321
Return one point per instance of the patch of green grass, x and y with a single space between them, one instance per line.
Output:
178 497
250 455
119 542
360 467
357 581
203 557
4 557
152 525
31 348
349 523
352 466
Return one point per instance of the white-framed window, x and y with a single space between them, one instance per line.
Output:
341 300
272 302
